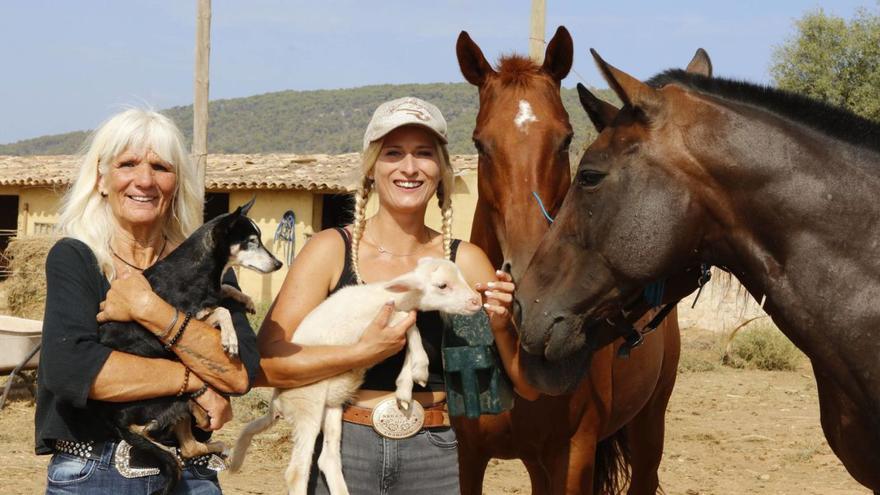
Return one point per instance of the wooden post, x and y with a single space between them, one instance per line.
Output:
200 97
536 33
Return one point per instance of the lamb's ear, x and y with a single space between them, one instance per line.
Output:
405 283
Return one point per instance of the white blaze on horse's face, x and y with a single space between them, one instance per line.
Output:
524 117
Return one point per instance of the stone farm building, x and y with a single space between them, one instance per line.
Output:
316 188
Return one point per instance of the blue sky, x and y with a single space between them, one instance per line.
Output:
68 65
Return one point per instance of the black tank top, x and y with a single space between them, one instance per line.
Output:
431 327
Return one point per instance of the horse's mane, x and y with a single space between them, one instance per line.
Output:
516 70
832 120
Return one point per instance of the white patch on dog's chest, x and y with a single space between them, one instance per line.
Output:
524 116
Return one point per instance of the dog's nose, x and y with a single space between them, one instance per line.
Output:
278 264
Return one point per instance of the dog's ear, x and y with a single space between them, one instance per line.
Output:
245 208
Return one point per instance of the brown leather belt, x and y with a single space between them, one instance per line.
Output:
436 415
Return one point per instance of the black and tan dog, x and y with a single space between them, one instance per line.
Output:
190 280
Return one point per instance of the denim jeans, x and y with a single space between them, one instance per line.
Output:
372 464
72 475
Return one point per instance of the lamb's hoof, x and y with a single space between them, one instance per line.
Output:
420 376
404 405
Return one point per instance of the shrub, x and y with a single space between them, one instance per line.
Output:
762 346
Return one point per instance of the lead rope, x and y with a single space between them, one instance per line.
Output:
541 205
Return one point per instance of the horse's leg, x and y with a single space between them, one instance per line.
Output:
471 470
645 433
850 435
539 477
571 470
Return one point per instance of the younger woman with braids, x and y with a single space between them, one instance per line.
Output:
405 163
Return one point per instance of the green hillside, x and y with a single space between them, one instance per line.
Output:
324 121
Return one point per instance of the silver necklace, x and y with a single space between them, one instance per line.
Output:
382 249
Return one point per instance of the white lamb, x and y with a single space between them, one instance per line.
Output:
435 284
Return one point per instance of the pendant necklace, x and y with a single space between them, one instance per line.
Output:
161 251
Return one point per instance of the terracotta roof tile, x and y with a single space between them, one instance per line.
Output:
331 173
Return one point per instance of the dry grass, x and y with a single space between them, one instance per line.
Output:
762 346
26 286
700 352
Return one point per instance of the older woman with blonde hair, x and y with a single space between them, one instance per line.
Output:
406 165
135 198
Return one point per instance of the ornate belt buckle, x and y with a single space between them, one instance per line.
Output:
122 463
390 422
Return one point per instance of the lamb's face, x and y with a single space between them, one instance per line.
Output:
445 288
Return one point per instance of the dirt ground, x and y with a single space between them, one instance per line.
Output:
729 431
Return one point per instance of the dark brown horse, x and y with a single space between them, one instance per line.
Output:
776 188
569 443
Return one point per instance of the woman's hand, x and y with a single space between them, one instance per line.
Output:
499 298
218 407
129 296
380 340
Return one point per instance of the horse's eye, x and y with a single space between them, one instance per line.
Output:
566 144
590 178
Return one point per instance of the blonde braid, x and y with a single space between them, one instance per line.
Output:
444 196
357 226
446 209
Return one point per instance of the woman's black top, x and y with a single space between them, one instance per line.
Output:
71 355
431 326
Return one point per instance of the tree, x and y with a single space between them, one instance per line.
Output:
833 60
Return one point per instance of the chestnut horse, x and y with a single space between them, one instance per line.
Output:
779 189
571 443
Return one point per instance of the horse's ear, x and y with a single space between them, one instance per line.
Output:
630 90
700 64
559 54
471 61
601 112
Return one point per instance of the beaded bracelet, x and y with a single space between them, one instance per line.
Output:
200 392
176 337
185 382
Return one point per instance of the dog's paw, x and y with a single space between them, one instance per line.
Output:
229 340
250 307
231 349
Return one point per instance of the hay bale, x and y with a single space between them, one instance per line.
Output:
26 286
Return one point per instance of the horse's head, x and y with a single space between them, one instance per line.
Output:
522 137
630 218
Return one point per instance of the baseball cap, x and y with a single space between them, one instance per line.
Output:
405 111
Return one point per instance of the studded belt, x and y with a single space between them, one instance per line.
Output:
86 450
122 457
